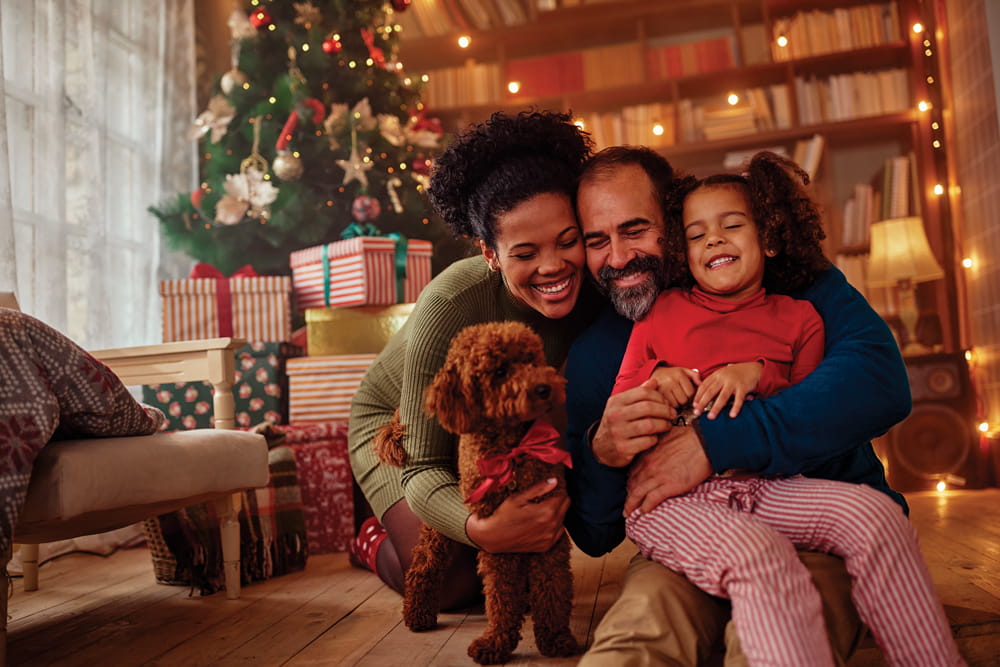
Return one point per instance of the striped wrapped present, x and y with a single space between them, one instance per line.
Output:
321 388
360 271
210 305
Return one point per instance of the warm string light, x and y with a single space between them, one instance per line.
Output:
464 41
514 87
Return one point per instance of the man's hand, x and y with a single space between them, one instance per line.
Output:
676 465
522 523
632 423
734 382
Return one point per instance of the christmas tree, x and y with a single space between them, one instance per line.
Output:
316 131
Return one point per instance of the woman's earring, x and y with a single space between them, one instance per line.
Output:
493 264
770 252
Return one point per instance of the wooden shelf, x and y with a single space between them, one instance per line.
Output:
567 29
849 131
855 150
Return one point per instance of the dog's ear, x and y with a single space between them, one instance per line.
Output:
443 399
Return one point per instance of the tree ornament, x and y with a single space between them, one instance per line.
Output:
354 167
232 80
365 208
332 45
391 185
400 5
215 119
240 27
374 52
287 166
307 14
421 165
248 192
197 196
260 17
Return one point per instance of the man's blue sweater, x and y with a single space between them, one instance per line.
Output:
820 427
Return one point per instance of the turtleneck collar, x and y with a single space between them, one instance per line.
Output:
719 305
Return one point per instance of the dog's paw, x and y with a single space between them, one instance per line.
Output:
490 650
419 622
557 645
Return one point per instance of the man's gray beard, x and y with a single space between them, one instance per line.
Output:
634 302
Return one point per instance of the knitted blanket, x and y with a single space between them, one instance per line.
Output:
50 388
186 546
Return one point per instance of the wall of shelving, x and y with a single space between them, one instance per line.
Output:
851 73
976 188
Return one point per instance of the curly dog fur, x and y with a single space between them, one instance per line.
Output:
494 383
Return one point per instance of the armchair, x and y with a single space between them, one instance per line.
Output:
90 485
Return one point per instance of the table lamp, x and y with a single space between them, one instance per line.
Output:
900 256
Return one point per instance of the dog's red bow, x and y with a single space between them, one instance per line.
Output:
537 443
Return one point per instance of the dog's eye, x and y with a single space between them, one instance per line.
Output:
500 372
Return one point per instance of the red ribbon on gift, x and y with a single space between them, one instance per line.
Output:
537 443
223 295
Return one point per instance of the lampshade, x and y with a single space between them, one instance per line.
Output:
899 251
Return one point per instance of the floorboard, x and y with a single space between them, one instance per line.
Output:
96 610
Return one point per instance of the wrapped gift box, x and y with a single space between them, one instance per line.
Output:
273 539
359 271
361 330
320 389
251 308
325 483
260 391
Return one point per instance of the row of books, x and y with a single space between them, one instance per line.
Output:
814 32
473 84
892 195
854 95
671 61
633 125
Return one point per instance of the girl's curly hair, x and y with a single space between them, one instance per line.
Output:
788 222
498 164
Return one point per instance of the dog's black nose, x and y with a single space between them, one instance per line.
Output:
543 390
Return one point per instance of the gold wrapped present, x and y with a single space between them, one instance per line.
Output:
361 330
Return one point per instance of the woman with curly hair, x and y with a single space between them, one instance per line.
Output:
508 183
731 240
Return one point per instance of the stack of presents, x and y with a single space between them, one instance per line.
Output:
295 386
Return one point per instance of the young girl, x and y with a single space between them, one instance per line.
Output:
732 241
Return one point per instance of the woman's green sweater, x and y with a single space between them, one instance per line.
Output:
465 293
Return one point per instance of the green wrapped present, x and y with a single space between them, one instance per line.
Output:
260 391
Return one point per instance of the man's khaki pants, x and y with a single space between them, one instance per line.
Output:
660 618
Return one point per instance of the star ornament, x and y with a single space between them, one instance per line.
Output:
355 168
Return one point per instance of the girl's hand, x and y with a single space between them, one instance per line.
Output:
521 524
677 385
734 382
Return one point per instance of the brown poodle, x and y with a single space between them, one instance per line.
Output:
494 385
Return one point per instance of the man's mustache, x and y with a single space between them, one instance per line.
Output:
639 264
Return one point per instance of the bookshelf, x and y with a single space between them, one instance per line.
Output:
853 73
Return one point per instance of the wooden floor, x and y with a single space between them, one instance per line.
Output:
108 611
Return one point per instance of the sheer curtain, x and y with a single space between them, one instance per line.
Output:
95 101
